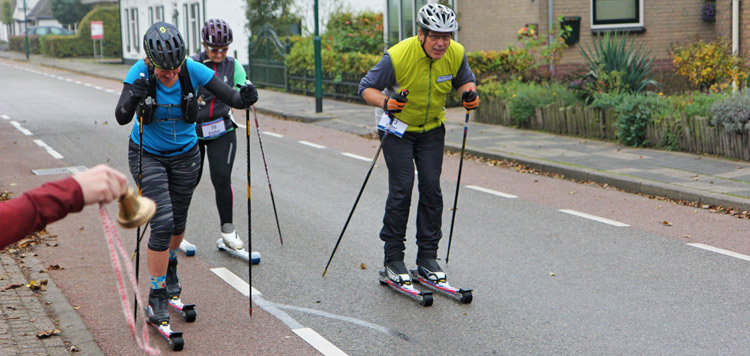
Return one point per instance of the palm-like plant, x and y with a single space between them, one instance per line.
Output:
618 53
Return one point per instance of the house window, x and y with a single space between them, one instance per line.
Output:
150 16
127 27
400 18
134 29
195 24
160 13
616 13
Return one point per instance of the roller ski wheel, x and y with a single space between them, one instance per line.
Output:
243 254
174 338
186 310
442 287
424 298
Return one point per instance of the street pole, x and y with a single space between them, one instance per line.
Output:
26 29
318 65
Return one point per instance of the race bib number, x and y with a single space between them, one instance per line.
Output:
444 78
213 128
397 127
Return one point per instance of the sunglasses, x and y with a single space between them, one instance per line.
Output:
218 50
444 38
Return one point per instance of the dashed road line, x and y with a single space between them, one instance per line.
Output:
309 335
721 251
594 217
273 134
5 117
352 155
20 128
49 149
493 192
315 145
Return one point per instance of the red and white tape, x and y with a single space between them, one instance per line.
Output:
115 245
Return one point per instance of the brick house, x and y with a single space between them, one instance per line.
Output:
493 24
657 23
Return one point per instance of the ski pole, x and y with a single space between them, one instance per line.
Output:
458 184
140 192
273 202
249 230
403 93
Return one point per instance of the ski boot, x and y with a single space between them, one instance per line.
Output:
158 317
173 290
397 277
231 238
430 275
231 242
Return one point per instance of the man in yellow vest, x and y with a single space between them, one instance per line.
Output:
428 66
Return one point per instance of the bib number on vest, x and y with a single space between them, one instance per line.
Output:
213 128
397 128
444 78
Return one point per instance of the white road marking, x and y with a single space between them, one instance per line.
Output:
20 128
98 87
307 334
311 144
594 217
272 134
5 117
493 192
352 155
49 149
234 281
721 251
318 342
110 91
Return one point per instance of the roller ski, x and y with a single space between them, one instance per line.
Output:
158 316
430 275
232 243
397 277
187 248
174 288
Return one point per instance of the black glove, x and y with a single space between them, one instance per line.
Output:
395 103
470 99
139 89
248 94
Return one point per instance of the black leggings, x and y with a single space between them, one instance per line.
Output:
221 152
170 182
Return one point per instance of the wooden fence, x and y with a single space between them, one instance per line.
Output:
694 134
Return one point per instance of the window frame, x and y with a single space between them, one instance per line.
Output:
615 24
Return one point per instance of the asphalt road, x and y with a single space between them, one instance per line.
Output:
545 281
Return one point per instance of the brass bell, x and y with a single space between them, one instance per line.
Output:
135 210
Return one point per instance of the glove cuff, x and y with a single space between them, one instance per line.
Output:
385 104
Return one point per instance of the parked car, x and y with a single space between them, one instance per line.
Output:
47 30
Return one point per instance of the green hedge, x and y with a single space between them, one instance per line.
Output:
18 43
81 45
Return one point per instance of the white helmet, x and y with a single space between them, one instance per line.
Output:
438 18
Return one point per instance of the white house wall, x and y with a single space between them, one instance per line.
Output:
133 27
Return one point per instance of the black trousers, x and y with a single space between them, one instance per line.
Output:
221 153
425 151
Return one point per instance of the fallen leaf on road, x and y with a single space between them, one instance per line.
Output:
552 274
686 236
47 333
73 349
76 308
362 266
37 285
55 268
12 286
666 223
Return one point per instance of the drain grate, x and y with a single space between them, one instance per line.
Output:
61 170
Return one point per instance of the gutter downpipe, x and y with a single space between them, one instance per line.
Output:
735 34
550 19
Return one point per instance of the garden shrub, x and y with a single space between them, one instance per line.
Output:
18 43
732 112
523 98
709 65
616 63
81 44
361 32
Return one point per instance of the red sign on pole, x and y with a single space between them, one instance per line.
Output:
97 30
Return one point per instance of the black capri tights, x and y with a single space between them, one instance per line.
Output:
170 182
